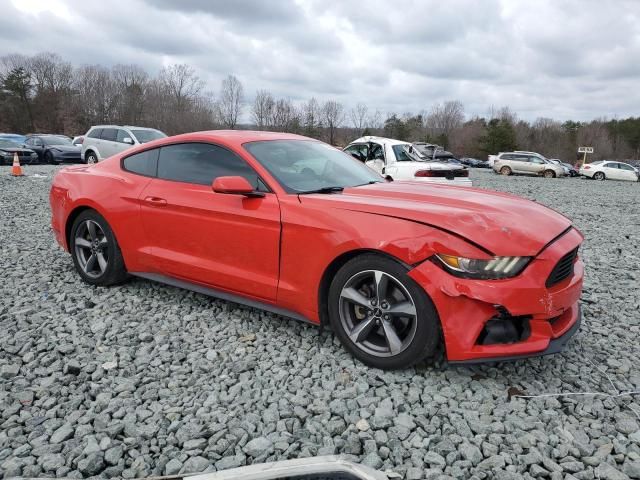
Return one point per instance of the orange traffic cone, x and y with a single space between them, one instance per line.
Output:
16 170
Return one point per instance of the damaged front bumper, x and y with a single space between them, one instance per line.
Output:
494 320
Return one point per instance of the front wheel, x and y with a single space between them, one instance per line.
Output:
599 176
91 157
95 250
50 159
549 174
381 315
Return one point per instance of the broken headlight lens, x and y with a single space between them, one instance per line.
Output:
493 269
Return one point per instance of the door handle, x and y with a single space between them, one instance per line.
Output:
156 201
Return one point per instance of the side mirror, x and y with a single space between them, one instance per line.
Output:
235 186
128 140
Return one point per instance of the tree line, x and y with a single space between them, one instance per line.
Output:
47 94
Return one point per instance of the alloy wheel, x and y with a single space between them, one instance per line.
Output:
377 313
91 248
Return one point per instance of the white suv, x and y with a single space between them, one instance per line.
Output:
103 141
526 163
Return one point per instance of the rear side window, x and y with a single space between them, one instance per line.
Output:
95 133
611 165
122 135
143 163
109 134
201 163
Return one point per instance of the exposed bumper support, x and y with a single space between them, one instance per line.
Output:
555 346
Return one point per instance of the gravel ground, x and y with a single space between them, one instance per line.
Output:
145 379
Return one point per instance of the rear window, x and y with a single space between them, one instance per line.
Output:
145 136
95 133
143 163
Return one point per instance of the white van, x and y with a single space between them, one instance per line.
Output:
103 141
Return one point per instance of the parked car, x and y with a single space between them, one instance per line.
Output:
474 162
103 141
397 270
14 137
526 163
569 169
8 149
605 169
430 151
401 161
53 149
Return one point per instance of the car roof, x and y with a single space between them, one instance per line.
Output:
122 126
230 138
372 138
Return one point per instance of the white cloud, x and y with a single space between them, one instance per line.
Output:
571 59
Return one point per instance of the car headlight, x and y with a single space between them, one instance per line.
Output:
493 269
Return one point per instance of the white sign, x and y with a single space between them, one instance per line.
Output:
585 149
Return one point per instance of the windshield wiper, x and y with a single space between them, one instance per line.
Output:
368 183
323 190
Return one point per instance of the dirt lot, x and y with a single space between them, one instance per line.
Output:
145 379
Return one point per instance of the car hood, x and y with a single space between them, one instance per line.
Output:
500 223
66 148
16 150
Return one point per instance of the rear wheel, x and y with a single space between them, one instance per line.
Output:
549 174
381 315
91 157
95 250
505 171
599 176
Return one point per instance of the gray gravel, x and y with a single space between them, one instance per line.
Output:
145 379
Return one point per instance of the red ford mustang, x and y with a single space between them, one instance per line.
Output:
292 225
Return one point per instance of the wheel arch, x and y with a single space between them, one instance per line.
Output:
75 213
91 149
332 269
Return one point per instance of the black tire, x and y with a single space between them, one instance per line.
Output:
90 157
50 159
420 341
115 270
505 171
599 176
549 174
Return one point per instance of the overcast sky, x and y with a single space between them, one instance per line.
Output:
547 58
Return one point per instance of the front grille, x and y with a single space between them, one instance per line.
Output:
563 269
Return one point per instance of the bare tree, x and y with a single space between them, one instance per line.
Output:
231 96
444 119
182 85
132 82
333 116
358 116
283 115
262 109
311 117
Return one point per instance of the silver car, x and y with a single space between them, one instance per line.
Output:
526 163
103 141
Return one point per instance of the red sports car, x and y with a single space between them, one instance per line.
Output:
295 226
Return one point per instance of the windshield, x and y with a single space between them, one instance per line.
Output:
55 141
305 165
145 136
8 144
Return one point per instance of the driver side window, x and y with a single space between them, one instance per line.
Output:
201 163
